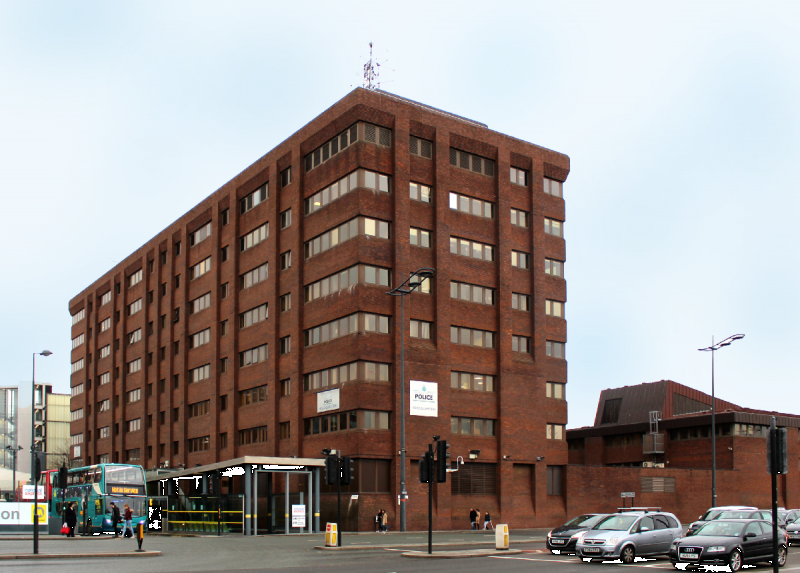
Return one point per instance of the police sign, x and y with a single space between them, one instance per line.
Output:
424 399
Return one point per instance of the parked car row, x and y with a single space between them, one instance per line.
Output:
731 536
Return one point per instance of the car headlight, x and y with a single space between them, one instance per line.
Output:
108 521
549 534
612 541
579 535
716 548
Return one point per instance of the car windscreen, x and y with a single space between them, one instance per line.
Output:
721 529
710 514
583 521
616 523
734 515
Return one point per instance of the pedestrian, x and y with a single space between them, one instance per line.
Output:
473 516
378 520
384 522
128 520
487 522
71 519
115 519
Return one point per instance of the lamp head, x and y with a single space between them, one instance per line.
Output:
425 273
436 438
473 454
45 353
326 452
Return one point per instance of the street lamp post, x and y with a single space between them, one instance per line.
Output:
406 287
713 348
34 478
14 451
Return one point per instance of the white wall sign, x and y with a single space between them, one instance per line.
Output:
424 399
298 515
327 401
27 492
21 513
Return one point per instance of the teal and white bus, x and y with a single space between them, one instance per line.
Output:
93 488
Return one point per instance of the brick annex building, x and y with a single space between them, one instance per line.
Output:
211 341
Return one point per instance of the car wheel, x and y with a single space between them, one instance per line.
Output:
735 561
627 555
781 556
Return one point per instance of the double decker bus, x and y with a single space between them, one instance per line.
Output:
93 489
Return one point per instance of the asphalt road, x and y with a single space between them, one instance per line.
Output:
195 554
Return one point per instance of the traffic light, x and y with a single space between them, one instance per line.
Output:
213 484
39 465
331 470
781 451
425 468
347 470
62 477
442 462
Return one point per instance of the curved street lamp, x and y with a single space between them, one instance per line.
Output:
44 353
409 285
713 348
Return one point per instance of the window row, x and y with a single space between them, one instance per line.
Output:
254 237
253 356
355 180
353 420
472 426
471 162
520 344
200 234
477 207
343 279
77 389
345 232
359 131
471 337
254 199
200 338
520 218
420 147
357 322
199 409
360 370
255 276
471 293
420 192
77 365
556 390
474 249
253 436
200 303
78 340
201 444
555 432
135 278
79 316
253 395
420 238
106 298
254 316
200 373
471 381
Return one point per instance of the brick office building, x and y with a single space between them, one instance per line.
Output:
212 339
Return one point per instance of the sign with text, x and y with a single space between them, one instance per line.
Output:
298 515
124 489
327 401
628 494
424 399
27 492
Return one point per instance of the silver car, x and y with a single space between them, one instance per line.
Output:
631 534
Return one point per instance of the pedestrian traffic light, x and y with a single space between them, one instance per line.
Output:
62 477
778 439
442 462
39 465
331 470
347 470
425 469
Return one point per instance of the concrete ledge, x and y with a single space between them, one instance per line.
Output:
105 554
461 554
439 544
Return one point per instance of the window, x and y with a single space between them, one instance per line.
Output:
104 405
134 425
223 403
104 378
200 303
471 293
162 417
555 349
286 345
254 237
199 409
360 178
198 444
254 199
177 248
254 316
555 480
197 270
520 260
357 322
520 218
176 315
472 206
135 307
200 234
421 329
223 328
286 387
105 325
200 338
553 227
176 448
471 337
470 381
163 289
472 426
75 390
286 302
80 315
135 278
134 366
150 297
285 429
105 432
223 365
553 187
134 336
223 440
176 414
344 279
519 176
354 419
225 217
286 218
286 260
473 163
163 257
77 341
223 290
554 308
353 371
133 396
420 192
255 276
106 298
521 344
421 147
368 132
467 248
555 431
253 436
520 301
556 390
345 232
253 356
554 268
223 253
286 177
420 238
253 395
132 455
199 373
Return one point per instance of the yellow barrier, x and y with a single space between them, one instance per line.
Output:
331 535
501 536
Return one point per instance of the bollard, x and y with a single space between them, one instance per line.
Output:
501 536
331 535
140 535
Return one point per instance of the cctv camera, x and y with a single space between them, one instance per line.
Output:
436 438
539 458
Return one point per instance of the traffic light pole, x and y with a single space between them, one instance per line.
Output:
430 499
339 501
773 438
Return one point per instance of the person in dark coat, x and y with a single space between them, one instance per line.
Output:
71 519
473 515
115 518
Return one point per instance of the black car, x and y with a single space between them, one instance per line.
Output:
563 539
793 532
731 542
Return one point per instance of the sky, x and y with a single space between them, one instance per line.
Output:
680 118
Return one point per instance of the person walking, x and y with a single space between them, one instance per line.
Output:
115 519
487 522
473 516
378 519
384 521
71 519
128 521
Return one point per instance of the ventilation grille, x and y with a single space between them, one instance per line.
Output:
421 147
384 137
471 162
369 132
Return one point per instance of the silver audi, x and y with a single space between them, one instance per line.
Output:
629 535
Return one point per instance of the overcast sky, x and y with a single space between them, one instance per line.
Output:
680 118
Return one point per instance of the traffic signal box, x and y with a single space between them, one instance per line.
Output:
425 468
779 437
442 457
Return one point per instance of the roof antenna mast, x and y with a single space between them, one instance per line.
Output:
372 73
